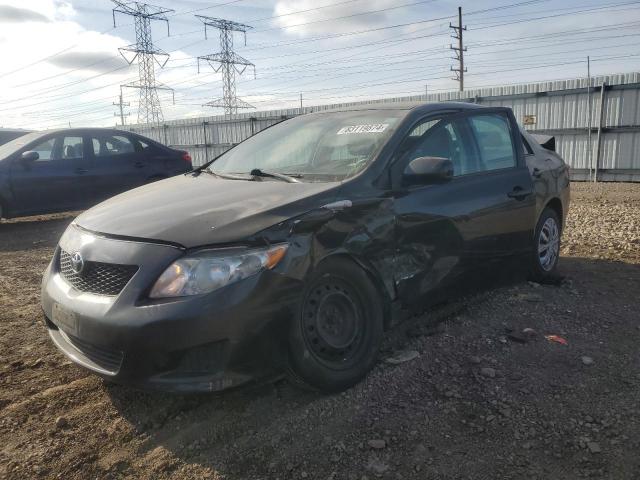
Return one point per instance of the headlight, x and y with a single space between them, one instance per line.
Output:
209 270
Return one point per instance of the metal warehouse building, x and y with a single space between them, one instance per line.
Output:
559 108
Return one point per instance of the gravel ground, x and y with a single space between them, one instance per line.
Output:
480 399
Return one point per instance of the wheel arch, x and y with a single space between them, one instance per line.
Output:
555 204
372 274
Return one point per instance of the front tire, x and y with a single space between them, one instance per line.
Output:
546 246
336 334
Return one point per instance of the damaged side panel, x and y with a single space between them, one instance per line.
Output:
362 228
429 250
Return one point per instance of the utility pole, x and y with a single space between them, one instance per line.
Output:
460 49
589 147
227 61
120 104
149 110
300 102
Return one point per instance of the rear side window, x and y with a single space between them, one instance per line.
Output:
111 145
71 148
493 136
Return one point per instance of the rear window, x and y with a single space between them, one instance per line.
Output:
111 145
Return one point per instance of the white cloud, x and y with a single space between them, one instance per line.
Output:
35 11
325 20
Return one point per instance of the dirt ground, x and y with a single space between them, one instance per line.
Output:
481 401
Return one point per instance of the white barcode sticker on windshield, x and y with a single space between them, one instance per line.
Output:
375 128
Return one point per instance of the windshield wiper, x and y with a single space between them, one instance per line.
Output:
256 172
227 176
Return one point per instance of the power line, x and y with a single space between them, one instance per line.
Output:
544 17
368 12
510 40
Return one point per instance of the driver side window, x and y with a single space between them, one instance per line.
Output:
440 138
44 149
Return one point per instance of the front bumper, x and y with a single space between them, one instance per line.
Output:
200 343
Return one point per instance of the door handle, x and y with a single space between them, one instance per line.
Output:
138 164
81 171
537 172
519 193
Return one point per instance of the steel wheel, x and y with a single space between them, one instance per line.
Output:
548 244
333 323
336 333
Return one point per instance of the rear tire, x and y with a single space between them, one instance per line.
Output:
336 334
546 246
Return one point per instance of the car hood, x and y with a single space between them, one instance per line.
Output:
199 210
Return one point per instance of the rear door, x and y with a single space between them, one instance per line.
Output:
447 231
501 161
55 181
116 166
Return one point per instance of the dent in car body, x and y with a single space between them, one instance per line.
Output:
364 232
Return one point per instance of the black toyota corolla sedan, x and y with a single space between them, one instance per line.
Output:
295 250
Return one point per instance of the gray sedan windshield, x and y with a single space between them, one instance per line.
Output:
320 147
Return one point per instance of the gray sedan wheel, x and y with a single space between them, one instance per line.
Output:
546 245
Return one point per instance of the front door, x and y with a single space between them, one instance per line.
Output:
446 231
54 181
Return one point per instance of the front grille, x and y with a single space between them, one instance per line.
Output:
109 360
97 277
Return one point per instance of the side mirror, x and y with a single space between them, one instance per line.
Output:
427 170
29 156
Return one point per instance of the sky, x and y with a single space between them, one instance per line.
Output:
61 65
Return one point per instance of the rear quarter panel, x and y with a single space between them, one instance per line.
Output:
551 179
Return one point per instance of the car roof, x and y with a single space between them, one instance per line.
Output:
84 130
421 107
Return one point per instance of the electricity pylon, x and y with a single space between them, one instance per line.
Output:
228 62
149 109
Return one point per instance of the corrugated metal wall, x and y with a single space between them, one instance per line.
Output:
560 108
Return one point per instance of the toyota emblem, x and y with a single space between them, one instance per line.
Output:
77 262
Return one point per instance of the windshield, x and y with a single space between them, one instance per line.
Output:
17 143
314 148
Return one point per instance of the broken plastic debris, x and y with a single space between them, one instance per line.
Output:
557 339
402 357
